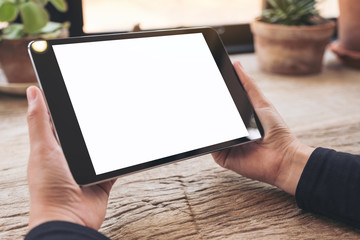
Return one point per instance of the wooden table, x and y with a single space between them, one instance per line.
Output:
196 199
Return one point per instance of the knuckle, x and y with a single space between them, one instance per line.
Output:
45 150
32 114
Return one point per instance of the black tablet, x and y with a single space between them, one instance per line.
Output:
123 103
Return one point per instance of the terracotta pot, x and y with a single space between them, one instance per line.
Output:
15 60
295 50
347 47
349 25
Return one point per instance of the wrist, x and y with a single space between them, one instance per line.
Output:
292 167
39 216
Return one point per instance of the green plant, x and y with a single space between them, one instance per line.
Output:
291 12
34 17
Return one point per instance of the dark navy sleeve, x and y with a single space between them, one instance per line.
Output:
330 185
59 230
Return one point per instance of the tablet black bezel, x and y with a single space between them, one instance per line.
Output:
65 121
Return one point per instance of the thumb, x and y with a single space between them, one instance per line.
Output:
40 130
256 97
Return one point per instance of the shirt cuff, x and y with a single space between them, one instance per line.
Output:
329 185
60 230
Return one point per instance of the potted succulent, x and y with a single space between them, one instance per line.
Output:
347 47
290 37
34 24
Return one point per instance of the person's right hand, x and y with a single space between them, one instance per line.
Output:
54 194
279 158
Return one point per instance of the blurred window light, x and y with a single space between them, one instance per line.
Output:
123 15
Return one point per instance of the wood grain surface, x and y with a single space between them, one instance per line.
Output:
197 199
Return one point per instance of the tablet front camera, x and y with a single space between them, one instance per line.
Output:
39 46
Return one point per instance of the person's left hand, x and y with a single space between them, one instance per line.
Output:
54 194
279 157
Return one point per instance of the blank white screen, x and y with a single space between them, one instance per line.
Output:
142 99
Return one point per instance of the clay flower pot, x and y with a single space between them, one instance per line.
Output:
295 50
15 60
347 47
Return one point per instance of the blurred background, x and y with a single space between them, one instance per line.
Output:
123 15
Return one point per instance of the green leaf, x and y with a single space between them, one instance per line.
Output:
44 2
8 12
51 35
273 3
13 31
11 1
290 12
51 27
41 2
33 16
60 5
51 30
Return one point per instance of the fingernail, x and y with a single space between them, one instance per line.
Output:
240 65
31 94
